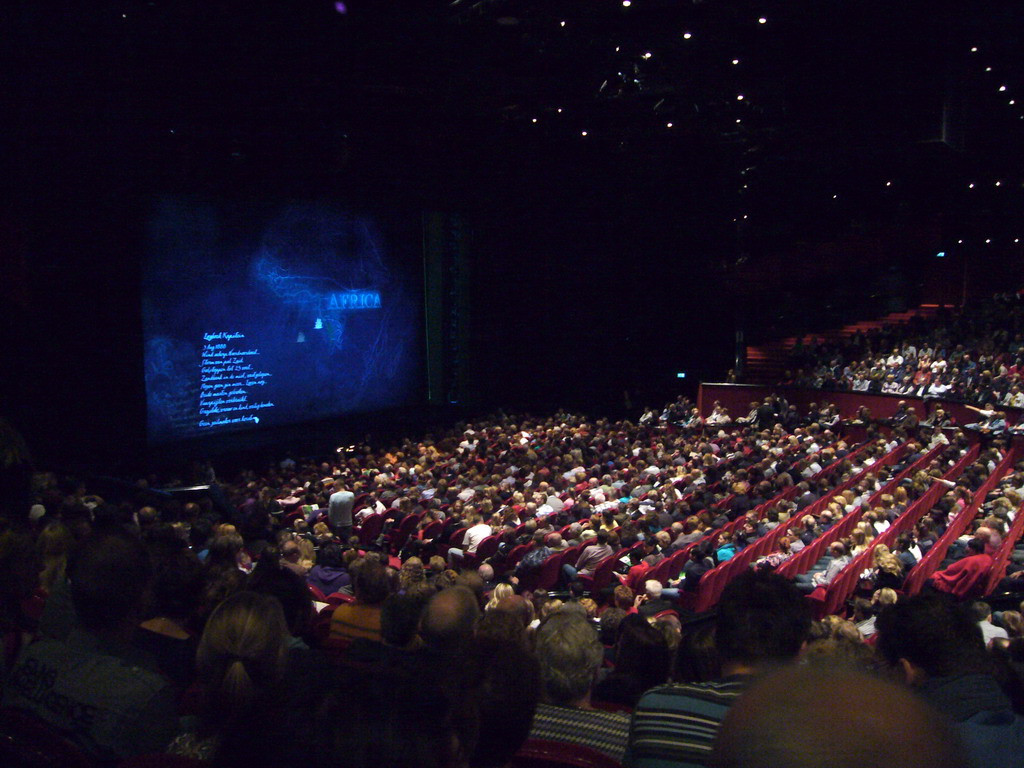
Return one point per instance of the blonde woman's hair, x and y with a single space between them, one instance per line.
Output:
886 560
241 655
500 592
307 552
412 573
550 607
589 606
54 544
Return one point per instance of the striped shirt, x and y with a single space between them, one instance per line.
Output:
351 621
602 731
675 725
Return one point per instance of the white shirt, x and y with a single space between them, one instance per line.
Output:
475 535
990 631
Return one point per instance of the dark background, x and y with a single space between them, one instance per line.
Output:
580 266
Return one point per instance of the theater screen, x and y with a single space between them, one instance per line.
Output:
265 314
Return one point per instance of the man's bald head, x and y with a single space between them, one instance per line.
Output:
449 618
519 606
806 717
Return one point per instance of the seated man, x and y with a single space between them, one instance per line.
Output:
964 577
762 622
478 531
807 582
95 688
361 619
587 562
656 599
570 654
937 648
992 421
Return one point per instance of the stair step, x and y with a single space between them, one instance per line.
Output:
766 361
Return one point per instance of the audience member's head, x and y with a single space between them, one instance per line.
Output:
697 659
498 626
449 618
370 582
762 619
177 587
781 722
506 687
109 581
291 592
400 616
929 636
609 622
520 607
241 656
642 652
570 655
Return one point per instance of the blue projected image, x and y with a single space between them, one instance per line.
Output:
260 315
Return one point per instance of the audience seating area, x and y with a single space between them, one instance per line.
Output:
485 567
975 355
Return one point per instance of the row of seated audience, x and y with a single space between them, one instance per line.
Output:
255 627
974 356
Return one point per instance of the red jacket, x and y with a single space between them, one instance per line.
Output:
963 576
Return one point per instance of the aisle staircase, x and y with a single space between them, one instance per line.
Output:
767 363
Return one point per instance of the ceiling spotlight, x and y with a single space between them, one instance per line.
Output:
739 97
668 125
618 48
744 215
735 62
687 35
988 69
959 242
1012 102
762 20
647 55
1002 88
561 23
583 133
988 240
999 183
559 110
1016 239
834 196
971 185
626 3
738 121
974 49
534 120
888 183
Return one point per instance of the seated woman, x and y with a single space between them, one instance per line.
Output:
886 570
726 547
241 662
329 575
775 559
861 538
